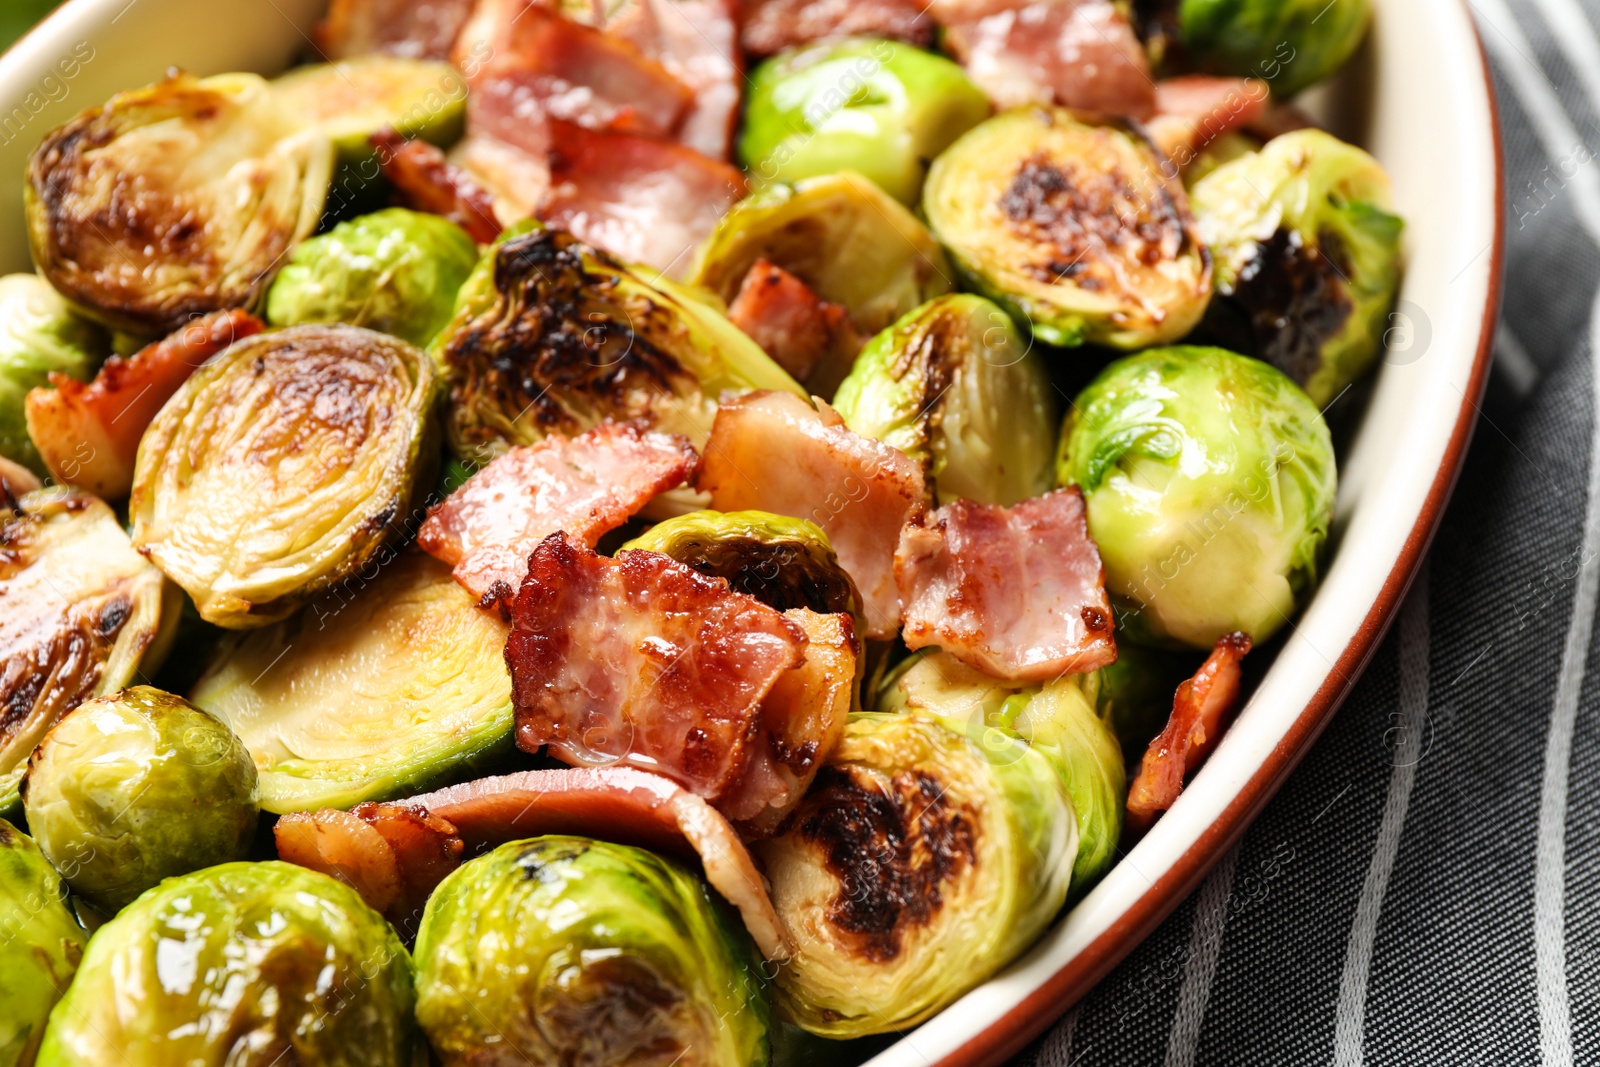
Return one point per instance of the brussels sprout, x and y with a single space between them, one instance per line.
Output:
1289 44
877 107
395 271
953 386
925 857
1209 480
1073 227
570 951
392 681
80 613
40 945
1135 693
552 336
1307 257
173 200
242 964
40 335
353 99
136 787
279 468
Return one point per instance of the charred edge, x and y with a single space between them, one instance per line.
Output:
778 574
1095 619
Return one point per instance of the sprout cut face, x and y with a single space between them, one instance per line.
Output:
40 335
353 99
40 945
1290 44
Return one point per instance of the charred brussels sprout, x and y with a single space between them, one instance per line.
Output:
925 858
136 787
395 271
576 951
281 466
245 964
40 335
551 336
1307 257
40 945
877 107
353 99
1209 481
954 387
1074 227
1290 44
173 200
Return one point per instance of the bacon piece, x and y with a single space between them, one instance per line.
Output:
622 805
426 182
697 42
1016 592
1198 712
795 326
586 485
773 25
1196 109
88 434
774 452
420 30
515 181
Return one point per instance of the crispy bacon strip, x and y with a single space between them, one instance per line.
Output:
420 30
586 485
89 433
792 323
426 182
1196 109
773 25
698 42
514 180
774 452
1198 713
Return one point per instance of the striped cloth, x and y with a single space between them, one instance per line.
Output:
1426 888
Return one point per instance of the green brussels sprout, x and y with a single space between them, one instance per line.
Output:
927 855
280 467
1289 44
39 335
40 945
353 99
572 951
79 610
391 682
1307 258
552 336
245 964
877 107
173 200
135 787
1209 482
954 387
1074 227
395 271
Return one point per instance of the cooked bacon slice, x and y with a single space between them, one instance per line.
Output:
425 182
1198 713
697 42
795 326
617 804
774 452
1016 592
420 30
88 434
586 485
1196 109
773 25
513 179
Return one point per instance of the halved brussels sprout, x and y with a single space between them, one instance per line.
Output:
1307 257
40 945
135 787
1289 44
878 107
395 271
173 200
552 336
574 951
246 963
925 857
353 99
1074 227
80 613
374 692
954 387
281 466
40 335
1209 480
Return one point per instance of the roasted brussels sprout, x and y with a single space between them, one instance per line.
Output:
1289 44
552 336
925 857
576 951
877 107
390 682
1209 481
40 945
954 387
353 99
281 466
173 200
246 963
395 271
1073 227
80 613
135 787
40 335
1307 257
